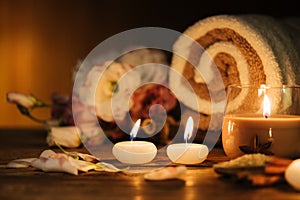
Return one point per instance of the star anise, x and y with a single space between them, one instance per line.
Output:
257 147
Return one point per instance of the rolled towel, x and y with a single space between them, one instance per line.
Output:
244 49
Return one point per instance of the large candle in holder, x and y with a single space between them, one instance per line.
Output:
274 129
134 152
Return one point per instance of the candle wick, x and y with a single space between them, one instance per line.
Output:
267 116
187 138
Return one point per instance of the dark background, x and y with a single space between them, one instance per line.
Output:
42 40
92 21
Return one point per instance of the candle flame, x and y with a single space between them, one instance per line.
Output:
188 129
135 129
266 103
266 107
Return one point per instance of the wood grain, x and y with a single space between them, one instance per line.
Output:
200 182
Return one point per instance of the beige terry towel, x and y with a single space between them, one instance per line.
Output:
245 49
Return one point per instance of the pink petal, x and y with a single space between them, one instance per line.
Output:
61 164
20 163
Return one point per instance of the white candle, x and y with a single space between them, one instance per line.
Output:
292 174
187 153
134 152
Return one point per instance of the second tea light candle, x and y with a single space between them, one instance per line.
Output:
187 153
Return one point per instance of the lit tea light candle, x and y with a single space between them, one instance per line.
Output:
187 153
134 152
268 133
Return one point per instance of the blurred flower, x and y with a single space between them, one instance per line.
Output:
87 121
62 109
152 58
67 136
60 124
126 90
147 96
25 101
141 55
101 88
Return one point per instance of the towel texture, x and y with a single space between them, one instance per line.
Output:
245 49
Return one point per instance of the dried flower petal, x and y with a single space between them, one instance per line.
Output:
47 153
82 165
103 166
83 156
69 162
88 157
56 163
20 163
165 173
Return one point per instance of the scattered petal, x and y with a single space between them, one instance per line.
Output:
165 173
87 157
69 162
57 163
47 153
76 155
61 164
103 166
20 163
82 165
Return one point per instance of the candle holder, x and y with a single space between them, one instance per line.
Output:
262 119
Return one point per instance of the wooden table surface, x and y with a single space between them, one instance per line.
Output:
200 182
